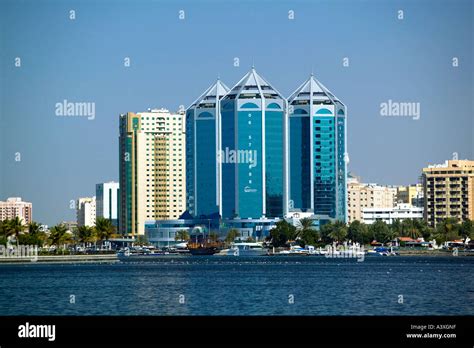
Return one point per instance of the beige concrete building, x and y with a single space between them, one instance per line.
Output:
14 207
152 168
361 195
449 191
86 211
411 194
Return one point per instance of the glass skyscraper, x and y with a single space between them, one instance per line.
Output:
202 147
317 151
253 150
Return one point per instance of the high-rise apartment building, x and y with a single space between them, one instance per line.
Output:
152 168
253 152
411 194
317 151
361 195
107 201
449 191
86 211
15 207
203 143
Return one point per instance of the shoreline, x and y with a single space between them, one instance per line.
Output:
107 258
113 258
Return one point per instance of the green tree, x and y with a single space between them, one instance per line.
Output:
339 231
3 232
14 227
380 232
409 229
282 233
142 240
424 230
182 235
447 230
59 235
358 232
324 231
35 235
85 234
467 229
104 228
306 232
231 236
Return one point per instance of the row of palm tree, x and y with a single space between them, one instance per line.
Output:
32 234
306 233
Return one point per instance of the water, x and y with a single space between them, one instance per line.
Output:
243 286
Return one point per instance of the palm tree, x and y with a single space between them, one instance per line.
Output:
15 227
181 235
85 234
37 236
104 228
305 225
339 231
59 234
232 235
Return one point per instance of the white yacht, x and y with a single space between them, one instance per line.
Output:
246 249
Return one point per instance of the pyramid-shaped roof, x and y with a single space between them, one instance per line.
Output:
253 84
312 89
212 94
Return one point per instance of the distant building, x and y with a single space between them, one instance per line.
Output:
203 138
70 225
361 196
107 201
401 212
411 194
449 191
253 150
15 207
163 232
317 151
86 211
152 168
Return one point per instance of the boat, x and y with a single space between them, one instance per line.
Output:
246 249
143 254
382 251
201 244
203 248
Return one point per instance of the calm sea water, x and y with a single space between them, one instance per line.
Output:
243 286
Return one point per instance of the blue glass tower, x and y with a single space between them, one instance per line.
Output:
317 151
202 146
254 156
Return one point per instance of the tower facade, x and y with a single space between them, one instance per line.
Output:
253 154
317 151
203 138
152 168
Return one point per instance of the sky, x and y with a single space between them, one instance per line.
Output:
50 160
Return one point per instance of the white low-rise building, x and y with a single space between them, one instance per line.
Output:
389 215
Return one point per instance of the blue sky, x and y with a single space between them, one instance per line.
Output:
173 61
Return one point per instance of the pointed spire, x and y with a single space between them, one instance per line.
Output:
213 92
253 83
314 90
